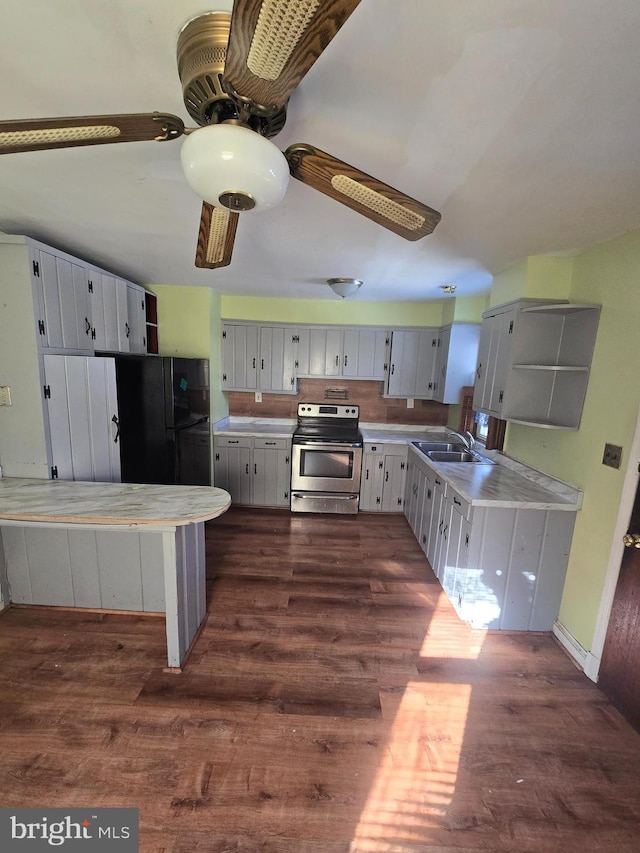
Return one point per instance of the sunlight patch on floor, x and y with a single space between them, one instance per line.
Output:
416 780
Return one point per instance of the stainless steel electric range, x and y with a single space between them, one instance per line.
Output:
326 459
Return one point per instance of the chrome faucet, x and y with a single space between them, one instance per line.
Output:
468 440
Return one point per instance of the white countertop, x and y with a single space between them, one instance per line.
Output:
500 485
273 427
76 502
505 484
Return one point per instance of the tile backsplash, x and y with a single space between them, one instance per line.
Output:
373 407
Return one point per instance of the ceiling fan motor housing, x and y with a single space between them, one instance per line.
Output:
202 52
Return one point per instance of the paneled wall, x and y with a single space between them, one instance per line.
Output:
373 407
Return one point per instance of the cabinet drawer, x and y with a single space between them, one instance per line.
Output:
278 443
462 505
374 447
388 449
233 441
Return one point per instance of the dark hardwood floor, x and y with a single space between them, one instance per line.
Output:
333 703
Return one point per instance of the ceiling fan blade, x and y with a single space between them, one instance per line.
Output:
215 237
366 195
273 43
38 134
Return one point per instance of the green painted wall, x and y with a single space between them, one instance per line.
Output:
540 277
338 312
607 275
189 326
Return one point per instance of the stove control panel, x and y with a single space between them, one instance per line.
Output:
327 410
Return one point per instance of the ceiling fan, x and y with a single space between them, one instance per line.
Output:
238 71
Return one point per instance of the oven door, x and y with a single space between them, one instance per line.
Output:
324 466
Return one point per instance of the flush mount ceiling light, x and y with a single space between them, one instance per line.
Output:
234 167
448 288
344 286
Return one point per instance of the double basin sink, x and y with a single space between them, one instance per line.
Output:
446 451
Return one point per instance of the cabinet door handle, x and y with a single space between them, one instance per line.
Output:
337 360
115 420
255 467
128 330
478 371
457 502
247 468
254 363
393 368
438 483
270 443
262 364
233 441
345 361
87 326
386 479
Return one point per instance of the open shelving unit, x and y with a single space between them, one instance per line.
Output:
551 360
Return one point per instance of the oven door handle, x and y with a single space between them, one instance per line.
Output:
323 444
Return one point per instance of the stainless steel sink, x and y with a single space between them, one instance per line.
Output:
429 446
456 456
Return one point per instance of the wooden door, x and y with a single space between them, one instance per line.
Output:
619 675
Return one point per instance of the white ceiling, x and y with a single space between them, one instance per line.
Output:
519 120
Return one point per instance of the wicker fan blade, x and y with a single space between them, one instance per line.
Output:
38 134
366 195
215 237
273 43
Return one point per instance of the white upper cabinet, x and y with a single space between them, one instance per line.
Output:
277 360
136 318
239 357
457 353
363 353
411 363
63 308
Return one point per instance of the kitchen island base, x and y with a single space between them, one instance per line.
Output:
132 570
111 547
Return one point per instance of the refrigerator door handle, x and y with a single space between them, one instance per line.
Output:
115 420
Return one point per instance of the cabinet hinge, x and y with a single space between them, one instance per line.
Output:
386 343
90 286
402 466
93 334
217 457
36 269
224 336
286 460
434 342
41 327
378 500
54 472
511 327
286 496
501 396
380 464
399 501
295 364
224 377
47 392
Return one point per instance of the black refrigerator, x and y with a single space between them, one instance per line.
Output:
163 412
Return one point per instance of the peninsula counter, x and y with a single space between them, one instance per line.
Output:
111 546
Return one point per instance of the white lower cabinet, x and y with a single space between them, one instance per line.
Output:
81 408
382 483
253 469
501 567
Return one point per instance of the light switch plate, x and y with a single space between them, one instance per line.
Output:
5 395
410 403
612 455
258 396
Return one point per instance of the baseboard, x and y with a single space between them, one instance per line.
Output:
570 644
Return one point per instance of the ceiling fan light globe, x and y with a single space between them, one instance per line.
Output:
223 158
